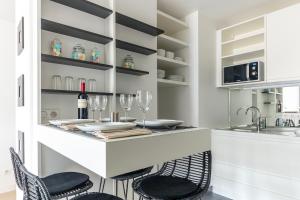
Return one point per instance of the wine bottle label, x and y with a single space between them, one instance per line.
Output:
82 103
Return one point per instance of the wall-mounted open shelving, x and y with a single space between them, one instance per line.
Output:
169 23
55 27
137 25
170 63
67 92
134 48
242 43
134 72
170 83
168 42
75 63
86 6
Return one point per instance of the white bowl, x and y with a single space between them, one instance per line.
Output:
161 52
161 73
170 54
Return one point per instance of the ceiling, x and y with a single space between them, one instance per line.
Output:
220 10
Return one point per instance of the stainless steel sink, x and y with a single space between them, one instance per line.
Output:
286 131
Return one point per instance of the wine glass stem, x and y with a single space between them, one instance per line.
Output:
100 116
144 120
93 114
125 115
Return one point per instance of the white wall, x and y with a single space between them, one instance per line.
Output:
213 102
8 97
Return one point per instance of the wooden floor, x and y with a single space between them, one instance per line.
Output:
8 196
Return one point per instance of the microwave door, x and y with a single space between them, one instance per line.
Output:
240 73
235 74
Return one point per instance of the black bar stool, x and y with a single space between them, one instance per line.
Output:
125 178
35 189
183 179
61 185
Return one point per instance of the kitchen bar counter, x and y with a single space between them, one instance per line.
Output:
114 157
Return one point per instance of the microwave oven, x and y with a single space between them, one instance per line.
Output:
243 73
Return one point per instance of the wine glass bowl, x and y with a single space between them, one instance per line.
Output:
143 99
92 105
126 101
101 103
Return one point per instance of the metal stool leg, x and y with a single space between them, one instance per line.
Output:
125 188
115 182
102 185
132 191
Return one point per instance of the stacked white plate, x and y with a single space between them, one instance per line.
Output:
160 123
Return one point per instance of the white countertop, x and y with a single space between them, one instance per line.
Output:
117 156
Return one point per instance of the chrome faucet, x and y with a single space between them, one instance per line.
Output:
238 110
258 118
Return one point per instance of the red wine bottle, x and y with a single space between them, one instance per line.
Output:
83 103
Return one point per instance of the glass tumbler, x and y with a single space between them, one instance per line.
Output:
92 85
80 80
56 82
69 83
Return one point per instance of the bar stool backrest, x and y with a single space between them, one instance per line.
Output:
196 168
16 162
34 187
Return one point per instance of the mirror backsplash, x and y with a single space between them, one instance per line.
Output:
277 106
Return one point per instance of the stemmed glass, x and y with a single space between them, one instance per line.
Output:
126 101
92 105
143 99
101 103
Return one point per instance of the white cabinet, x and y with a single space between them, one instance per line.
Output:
283 45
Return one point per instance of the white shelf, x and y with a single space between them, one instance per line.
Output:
252 34
245 52
170 83
169 23
169 63
170 43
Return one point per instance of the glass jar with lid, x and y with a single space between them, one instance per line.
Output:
78 52
95 55
128 62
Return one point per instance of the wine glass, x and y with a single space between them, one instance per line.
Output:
126 101
143 99
92 105
101 103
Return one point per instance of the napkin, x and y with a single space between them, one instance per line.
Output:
122 133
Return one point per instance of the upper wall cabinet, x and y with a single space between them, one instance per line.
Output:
283 45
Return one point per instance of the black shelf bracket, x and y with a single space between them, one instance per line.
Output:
74 32
86 6
134 48
137 25
75 63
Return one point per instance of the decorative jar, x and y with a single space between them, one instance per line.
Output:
128 62
95 55
78 52
56 47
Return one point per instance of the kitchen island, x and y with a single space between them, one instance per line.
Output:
108 158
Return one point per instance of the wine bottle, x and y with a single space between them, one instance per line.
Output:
82 103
